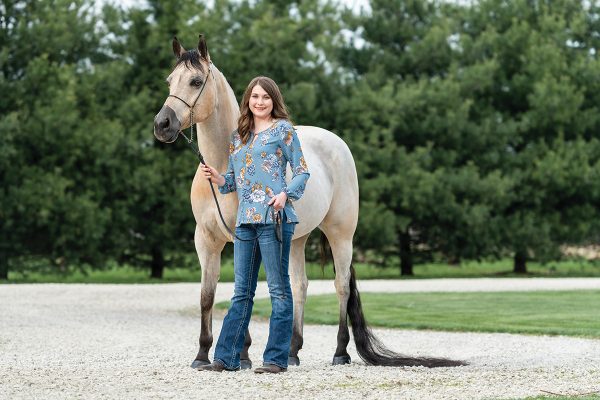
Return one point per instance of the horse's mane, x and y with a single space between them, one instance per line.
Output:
190 58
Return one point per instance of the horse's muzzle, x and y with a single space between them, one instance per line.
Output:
166 125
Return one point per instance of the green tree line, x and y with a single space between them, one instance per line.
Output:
474 127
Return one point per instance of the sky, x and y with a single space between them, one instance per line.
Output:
354 4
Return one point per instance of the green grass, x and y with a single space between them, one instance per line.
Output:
124 274
574 397
571 313
502 268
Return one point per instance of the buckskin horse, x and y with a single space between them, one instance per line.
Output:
200 95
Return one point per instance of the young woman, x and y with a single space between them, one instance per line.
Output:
260 149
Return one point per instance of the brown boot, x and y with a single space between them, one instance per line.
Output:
215 367
270 368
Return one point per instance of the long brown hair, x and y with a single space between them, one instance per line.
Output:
246 120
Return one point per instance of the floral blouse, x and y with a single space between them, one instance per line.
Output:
257 171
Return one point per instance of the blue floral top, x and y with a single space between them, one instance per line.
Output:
257 170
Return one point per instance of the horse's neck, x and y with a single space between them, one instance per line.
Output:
214 133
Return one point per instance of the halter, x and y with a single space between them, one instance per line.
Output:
275 215
191 139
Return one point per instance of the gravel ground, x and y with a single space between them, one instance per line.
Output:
137 341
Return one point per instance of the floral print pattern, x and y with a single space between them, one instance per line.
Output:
257 172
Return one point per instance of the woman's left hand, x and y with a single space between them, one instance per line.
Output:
278 202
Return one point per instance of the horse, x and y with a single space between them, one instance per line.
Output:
199 94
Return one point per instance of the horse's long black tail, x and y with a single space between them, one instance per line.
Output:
371 350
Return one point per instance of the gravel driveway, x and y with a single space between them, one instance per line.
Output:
137 341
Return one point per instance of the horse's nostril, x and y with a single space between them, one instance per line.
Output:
165 123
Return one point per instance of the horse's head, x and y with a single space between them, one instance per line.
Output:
192 93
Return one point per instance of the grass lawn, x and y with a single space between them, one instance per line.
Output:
502 268
574 397
571 313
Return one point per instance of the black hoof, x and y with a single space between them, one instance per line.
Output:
199 363
341 360
245 364
295 361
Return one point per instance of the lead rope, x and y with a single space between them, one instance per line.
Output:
196 151
275 215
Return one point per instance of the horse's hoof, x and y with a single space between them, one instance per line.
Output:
245 364
199 363
293 361
341 360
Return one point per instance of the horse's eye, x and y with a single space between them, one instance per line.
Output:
196 82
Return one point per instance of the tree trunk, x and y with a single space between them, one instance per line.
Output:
3 267
406 262
520 266
158 263
454 261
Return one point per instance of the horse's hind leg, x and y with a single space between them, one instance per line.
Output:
209 255
342 257
299 284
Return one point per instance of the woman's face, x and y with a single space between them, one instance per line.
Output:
261 104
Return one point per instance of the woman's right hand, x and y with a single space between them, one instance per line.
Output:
212 174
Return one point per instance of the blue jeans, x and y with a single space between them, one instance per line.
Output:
246 262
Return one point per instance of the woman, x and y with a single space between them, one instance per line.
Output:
260 148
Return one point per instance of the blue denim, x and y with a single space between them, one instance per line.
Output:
247 259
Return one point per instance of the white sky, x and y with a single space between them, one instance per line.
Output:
355 5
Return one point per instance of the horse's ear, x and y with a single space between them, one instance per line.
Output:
178 49
202 48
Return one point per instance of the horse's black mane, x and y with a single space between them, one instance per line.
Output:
190 58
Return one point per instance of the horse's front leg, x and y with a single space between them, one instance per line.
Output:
209 254
299 284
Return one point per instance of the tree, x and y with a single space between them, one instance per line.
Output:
420 144
160 211
457 106
160 222
545 96
51 166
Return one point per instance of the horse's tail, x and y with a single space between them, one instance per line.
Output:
371 350
325 251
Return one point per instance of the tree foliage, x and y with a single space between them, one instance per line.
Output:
462 110
473 126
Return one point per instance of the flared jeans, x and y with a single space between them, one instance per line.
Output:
247 258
